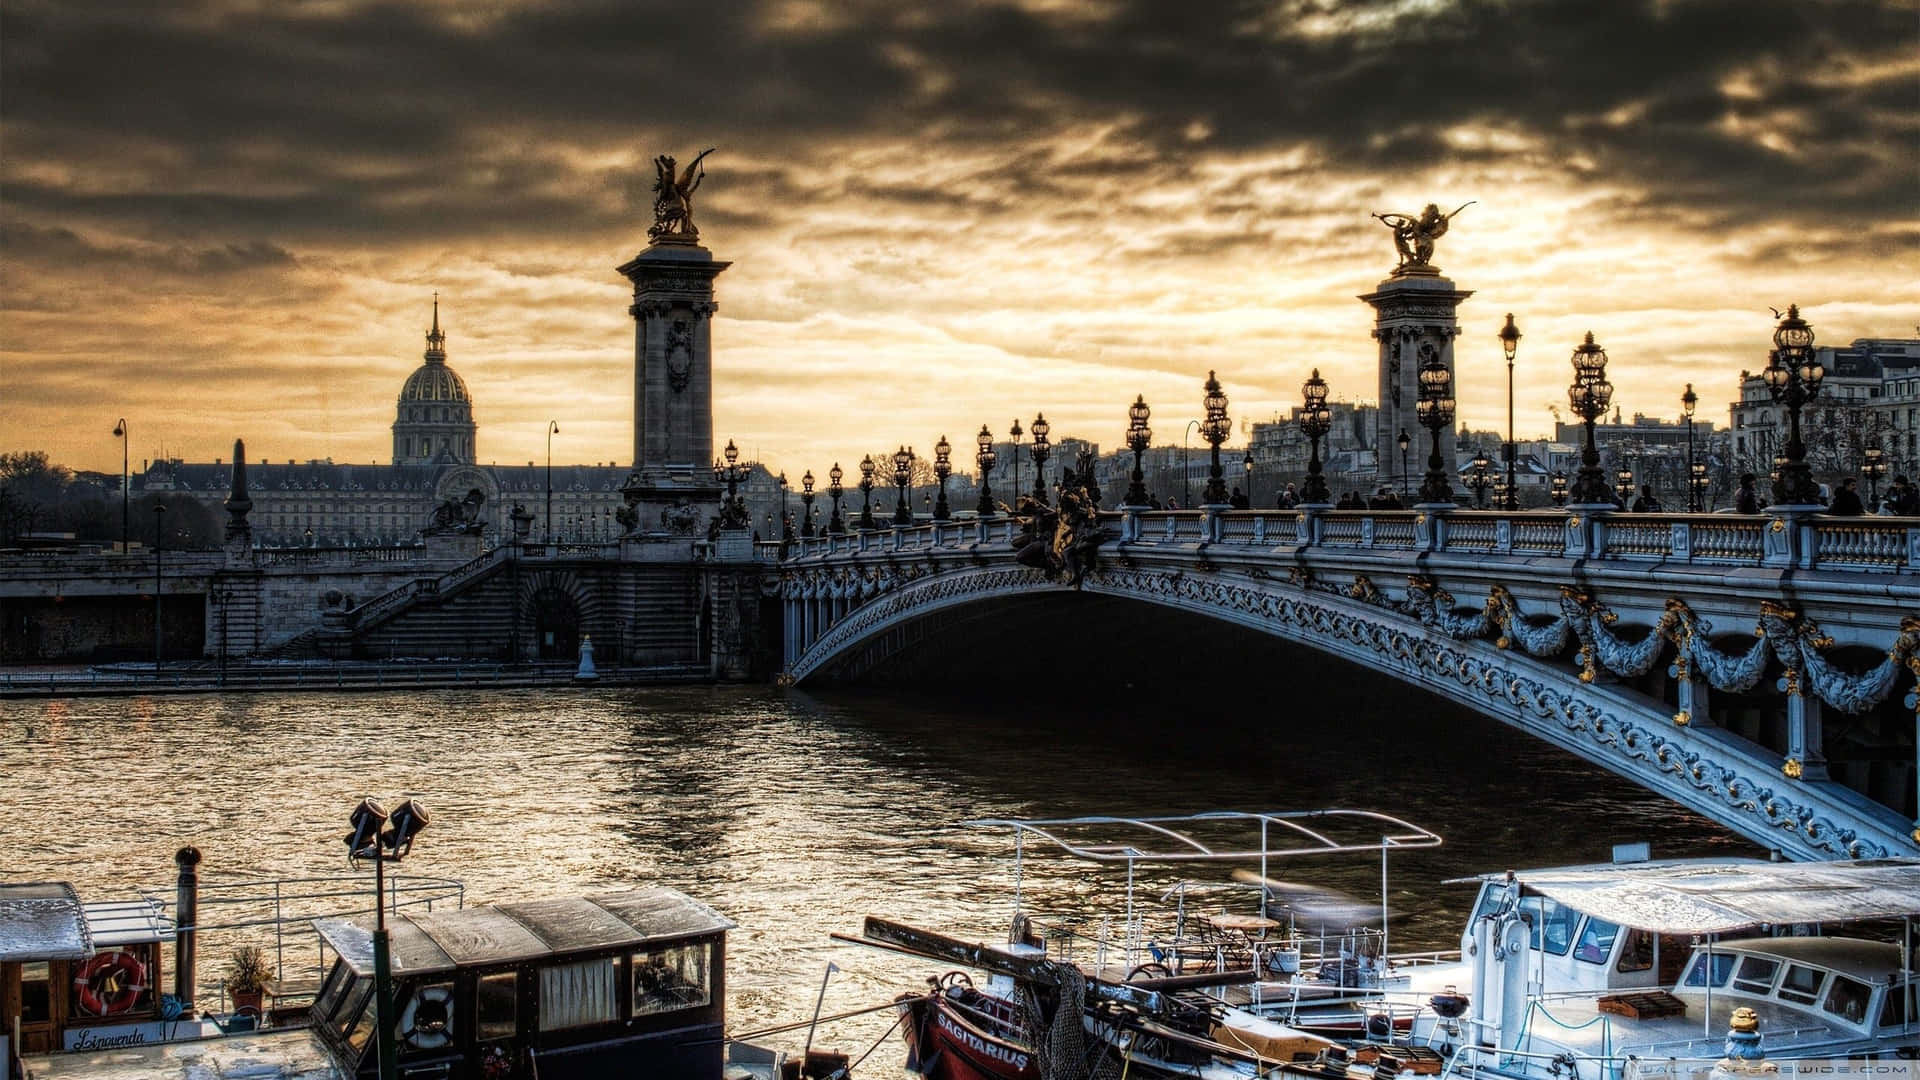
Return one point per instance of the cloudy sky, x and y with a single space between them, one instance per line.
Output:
225 218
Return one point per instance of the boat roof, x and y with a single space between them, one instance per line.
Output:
507 933
42 921
1718 896
1221 834
1869 961
112 923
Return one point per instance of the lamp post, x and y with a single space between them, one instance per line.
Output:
942 468
1697 482
159 535
126 483
806 503
1315 422
1246 466
1215 430
522 520
1623 485
1404 441
1510 344
835 489
1873 465
1186 467
1793 378
1688 402
1435 411
985 458
1589 394
902 476
866 494
553 428
785 517
1480 479
1139 436
1558 480
369 840
1016 433
1041 447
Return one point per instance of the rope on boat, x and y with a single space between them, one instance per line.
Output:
897 1021
798 1024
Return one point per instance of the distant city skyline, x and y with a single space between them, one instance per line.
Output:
938 218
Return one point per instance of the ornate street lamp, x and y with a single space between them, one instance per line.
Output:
733 471
985 459
786 518
1435 411
1404 441
1510 344
834 491
1698 483
391 843
1016 433
1688 402
1589 394
1793 377
1215 429
1480 479
866 494
942 468
1139 437
1500 492
1623 486
553 428
126 483
806 503
1315 422
1041 447
1873 465
902 476
1246 466
1558 488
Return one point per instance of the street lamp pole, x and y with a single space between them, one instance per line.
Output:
1215 431
1016 432
1315 422
1688 401
1041 447
369 840
1404 441
1793 377
1186 467
1435 410
867 523
985 458
1246 466
1139 436
806 503
553 428
1589 395
1510 344
834 490
1874 464
942 468
159 533
902 476
126 482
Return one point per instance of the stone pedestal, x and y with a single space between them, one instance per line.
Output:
1414 316
671 490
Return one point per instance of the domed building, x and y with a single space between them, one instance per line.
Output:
433 424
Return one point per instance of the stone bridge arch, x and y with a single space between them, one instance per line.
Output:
1499 660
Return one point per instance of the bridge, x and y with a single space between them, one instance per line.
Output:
1761 670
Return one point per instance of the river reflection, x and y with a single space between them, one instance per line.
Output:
795 815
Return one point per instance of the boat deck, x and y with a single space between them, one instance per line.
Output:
284 1055
1576 1023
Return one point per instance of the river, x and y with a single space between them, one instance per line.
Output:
794 814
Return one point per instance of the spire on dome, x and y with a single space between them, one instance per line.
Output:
436 341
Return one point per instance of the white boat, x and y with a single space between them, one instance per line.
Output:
1606 972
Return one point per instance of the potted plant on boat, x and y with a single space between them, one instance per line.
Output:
247 976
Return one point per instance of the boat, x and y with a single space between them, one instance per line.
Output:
1608 971
1170 993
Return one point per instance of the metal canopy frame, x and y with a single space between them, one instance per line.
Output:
1295 826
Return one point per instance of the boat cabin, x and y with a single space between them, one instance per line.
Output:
555 989
1847 980
77 976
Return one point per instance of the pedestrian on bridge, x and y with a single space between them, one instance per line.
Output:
1846 501
1747 500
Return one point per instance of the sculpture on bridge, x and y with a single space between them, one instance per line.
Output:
1064 539
1413 237
673 199
680 519
458 517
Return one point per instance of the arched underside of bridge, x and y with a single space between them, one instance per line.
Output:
1710 770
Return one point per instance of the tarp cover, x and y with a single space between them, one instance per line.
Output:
1716 897
42 921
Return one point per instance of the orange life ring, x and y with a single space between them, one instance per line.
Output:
110 983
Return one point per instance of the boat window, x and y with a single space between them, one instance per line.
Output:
338 979
1551 923
1801 984
1847 999
1491 894
669 979
426 1020
1637 953
1722 966
1596 941
343 1016
1756 974
359 1026
36 992
575 995
496 1006
1901 1008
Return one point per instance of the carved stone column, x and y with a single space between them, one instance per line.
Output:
1412 312
671 488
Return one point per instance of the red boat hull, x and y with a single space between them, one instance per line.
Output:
961 1034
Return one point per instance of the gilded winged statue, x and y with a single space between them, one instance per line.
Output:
673 198
1413 237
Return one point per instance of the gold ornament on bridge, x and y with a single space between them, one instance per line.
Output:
673 200
1413 237
1791 768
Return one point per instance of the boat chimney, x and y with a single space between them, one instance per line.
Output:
186 910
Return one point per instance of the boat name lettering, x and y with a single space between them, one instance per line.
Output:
980 1045
114 1038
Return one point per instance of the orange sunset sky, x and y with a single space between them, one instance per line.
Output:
227 218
